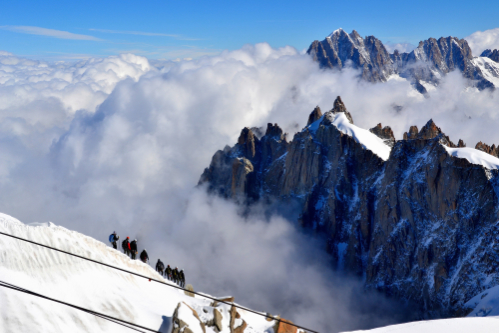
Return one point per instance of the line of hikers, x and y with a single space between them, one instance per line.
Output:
130 249
174 275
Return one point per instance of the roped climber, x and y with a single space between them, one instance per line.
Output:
126 246
143 256
181 277
160 267
175 275
133 248
113 238
168 272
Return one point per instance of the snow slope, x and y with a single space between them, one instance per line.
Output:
456 325
90 285
474 156
367 139
362 136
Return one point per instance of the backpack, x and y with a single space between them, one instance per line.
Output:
111 238
161 266
125 244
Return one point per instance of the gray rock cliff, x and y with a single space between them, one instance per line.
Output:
420 225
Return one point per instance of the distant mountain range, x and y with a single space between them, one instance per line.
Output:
424 67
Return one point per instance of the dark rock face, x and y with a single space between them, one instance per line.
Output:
384 133
314 116
420 225
367 54
429 62
494 55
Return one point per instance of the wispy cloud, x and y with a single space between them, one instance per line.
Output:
142 33
47 32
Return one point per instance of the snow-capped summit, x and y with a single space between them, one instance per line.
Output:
431 60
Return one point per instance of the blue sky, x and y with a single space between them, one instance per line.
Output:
180 29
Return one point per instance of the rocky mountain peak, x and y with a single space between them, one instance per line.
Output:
412 134
315 115
247 142
492 150
429 131
341 49
384 133
275 131
494 55
339 106
461 144
429 62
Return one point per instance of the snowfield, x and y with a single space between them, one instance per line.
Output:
474 156
456 325
92 286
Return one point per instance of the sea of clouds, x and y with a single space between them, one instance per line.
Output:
119 143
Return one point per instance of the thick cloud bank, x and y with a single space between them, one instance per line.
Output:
118 144
482 40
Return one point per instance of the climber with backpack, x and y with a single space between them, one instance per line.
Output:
175 275
160 267
181 278
143 256
133 248
126 246
113 239
168 272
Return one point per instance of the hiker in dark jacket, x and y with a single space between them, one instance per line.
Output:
143 256
160 267
181 277
175 275
126 246
133 248
168 272
113 238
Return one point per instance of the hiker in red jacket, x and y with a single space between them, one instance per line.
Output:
126 246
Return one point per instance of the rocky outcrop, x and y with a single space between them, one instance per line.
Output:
429 62
419 225
341 49
492 150
314 116
183 315
494 55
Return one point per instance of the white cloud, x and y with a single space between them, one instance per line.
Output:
481 40
401 47
115 143
48 32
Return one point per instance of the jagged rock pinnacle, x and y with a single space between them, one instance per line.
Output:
247 142
412 134
429 131
461 144
315 115
384 133
274 131
339 106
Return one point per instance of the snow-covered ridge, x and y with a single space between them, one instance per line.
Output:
95 287
367 139
455 325
489 69
474 156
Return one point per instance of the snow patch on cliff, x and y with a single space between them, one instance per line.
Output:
474 156
367 139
